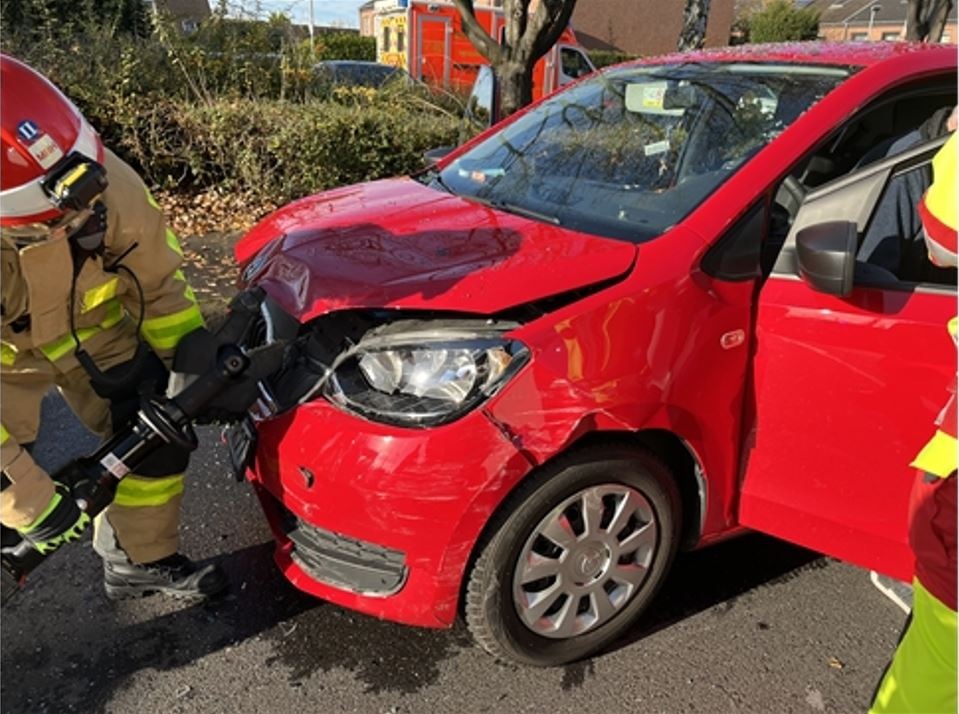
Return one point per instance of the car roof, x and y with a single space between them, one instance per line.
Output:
839 54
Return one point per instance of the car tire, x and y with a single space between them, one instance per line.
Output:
504 596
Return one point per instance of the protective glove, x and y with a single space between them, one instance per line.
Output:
62 521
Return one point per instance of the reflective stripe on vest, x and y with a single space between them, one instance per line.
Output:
8 354
938 456
94 297
163 333
173 243
139 491
66 344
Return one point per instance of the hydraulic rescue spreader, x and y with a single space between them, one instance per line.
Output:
93 479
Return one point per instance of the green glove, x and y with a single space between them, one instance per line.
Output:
62 521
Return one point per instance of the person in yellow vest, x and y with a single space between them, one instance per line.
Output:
93 303
922 674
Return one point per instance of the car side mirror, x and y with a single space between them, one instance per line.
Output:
826 253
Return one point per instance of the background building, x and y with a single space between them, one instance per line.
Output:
644 27
187 13
873 20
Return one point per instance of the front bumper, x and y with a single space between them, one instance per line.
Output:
376 518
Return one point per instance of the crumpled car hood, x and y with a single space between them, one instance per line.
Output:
399 244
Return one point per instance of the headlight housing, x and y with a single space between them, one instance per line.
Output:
423 377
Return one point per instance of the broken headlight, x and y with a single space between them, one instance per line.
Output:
423 379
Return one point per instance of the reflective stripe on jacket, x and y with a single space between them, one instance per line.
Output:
37 279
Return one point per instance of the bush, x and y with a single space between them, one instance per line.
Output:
278 150
604 58
345 45
782 21
190 118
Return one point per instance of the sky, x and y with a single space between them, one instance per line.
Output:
325 12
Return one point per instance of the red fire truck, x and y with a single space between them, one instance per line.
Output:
427 40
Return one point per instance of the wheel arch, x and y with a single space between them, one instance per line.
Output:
672 450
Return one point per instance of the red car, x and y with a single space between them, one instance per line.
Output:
653 310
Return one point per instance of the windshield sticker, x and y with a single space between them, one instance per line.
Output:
480 175
658 148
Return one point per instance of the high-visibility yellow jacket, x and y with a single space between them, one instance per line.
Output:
938 212
35 327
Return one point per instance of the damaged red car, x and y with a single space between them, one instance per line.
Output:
651 311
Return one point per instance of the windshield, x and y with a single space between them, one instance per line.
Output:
631 152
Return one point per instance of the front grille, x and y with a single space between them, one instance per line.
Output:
347 563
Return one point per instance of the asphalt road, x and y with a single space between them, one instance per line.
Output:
752 625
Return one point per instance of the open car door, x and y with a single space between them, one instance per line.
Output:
846 388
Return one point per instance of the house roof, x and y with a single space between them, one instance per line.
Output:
840 12
195 9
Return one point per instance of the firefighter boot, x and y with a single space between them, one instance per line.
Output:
176 575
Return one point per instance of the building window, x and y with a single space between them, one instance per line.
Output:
188 26
890 36
400 41
946 37
386 39
859 36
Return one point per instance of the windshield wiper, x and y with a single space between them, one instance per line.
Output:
433 177
518 210
527 212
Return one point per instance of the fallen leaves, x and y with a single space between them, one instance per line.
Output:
208 225
213 211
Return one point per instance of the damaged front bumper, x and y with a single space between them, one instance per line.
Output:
376 517
379 519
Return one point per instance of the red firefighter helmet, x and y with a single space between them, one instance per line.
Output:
39 128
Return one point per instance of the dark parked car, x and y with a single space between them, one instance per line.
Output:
355 73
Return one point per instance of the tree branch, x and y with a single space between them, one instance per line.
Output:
554 16
487 46
938 16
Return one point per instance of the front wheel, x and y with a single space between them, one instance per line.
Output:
574 557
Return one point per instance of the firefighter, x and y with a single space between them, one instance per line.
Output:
93 303
922 674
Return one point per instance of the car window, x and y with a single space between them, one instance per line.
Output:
573 63
479 106
897 124
893 239
889 125
881 199
630 152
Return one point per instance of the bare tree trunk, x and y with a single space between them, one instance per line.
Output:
926 19
529 35
913 15
937 21
693 34
516 87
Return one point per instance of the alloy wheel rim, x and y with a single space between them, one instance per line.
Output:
585 561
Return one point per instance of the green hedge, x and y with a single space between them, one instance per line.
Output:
190 119
283 150
604 58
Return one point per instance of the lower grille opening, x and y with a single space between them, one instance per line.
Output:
348 563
